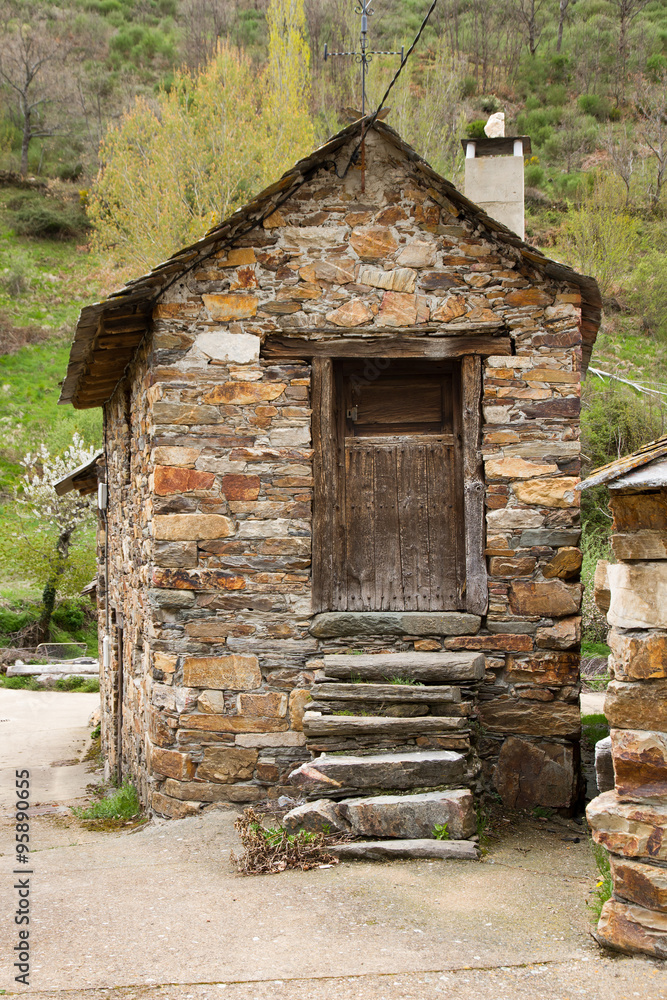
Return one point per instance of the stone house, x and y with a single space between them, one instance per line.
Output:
630 819
342 442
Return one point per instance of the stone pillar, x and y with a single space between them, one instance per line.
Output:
630 821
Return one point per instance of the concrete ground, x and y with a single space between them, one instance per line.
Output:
159 913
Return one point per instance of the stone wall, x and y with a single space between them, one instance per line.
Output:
631 820
223 658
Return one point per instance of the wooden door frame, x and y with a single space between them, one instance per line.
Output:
328 472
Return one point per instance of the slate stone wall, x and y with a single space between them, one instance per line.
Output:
211 545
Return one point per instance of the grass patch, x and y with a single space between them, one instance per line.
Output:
594 648
594 727
406 681
117 808
269 850
87 685
604 886
21 683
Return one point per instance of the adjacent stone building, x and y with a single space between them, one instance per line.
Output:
346 422
630 820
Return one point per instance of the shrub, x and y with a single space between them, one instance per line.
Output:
86 685
490 104
592 104
70 616
475 130
121 804
534 175
468 86
49 220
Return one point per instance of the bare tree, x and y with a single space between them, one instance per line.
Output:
527 14
626 12
563 7
204 21
33 71
651 104
622 152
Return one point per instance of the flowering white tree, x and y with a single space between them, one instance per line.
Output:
49 525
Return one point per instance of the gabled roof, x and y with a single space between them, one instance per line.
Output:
622 466
108 333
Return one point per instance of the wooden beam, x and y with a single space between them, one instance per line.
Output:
477 589
325 492
385 347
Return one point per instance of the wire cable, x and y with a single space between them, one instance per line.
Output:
373 117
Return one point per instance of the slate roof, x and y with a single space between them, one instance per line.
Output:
614 470
108 333
83 479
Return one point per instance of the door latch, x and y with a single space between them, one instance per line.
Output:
352 414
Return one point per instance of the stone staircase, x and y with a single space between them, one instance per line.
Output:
392 731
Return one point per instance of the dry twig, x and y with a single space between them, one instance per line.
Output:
267 851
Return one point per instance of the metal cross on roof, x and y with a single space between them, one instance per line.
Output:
363 55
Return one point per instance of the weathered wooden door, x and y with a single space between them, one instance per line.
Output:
398 526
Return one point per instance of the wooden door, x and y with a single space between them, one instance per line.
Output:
398 525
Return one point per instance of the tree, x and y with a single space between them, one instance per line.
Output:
652 107
174 167
49 526
527 13
622 152
33 70
602 242
626 11
288 79
563 7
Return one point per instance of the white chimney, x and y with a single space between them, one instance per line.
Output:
494 173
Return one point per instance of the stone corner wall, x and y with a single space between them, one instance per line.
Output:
630 820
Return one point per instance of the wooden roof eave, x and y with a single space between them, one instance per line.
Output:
606 474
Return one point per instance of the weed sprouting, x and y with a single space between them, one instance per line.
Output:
440 832
604 886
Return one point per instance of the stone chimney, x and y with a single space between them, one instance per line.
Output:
494 173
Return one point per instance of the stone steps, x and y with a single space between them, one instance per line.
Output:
387 692
413 816
344 775
316 724
389 850
429 668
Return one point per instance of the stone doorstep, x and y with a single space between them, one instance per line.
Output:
388 850
395 771
349 623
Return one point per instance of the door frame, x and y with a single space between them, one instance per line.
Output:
328 473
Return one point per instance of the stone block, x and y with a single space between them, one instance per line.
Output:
171 598
640 763
234 672
220 345
556 669
509 715
630 829
225 307
553 598
183 457
397 771
269 704
206 791
321 816
492 643
638 511
174 479
601 592
536 774
240 257
638 595
389 850
238 487
398 309
337 272
418 253
350 314
314 236
172 808
633 929
563 634
638 655
516 468
411 817
298 703
637 705
176 555
212 702
549 537
171 763
349 623
505 566
223 764
166 662
604 765
244 393
270 740
400 279
640 545
191 414
176 580
513 519
191 527
565 564
636 882
374 243
554 491
232 723
452 308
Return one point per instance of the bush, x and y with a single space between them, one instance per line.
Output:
85 685
592 104
48 220
468 86
14 621
70 616
534 175
649 292
490 104
475 130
